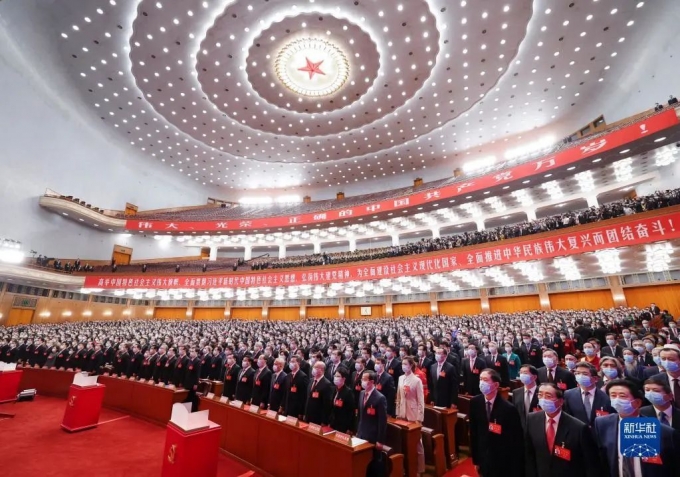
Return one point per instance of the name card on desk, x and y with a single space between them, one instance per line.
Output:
342 438
291 421
271 414
224 400
255 409
210 396
7 366
238 404
84 381
314 428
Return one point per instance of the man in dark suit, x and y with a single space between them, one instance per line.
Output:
96 360
180 367
160 363
296 390
231 374
627 400
612 348
334 363
385 384
216 365
557 444
369 364
120 365
206 363
646 329
393 363
372 411
136 360
587 401
670 362
627 340
553 342
192 374
277 393
443 381
344 405
168 367
551 373
245 381
424 361
525 399
659 394
496 436
472 368
530 352
262 383
319 396
498 363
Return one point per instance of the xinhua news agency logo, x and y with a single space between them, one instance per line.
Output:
640 437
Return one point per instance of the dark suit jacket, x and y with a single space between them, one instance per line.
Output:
426 363
385 384
606 431
192 373
180 371
650 411
244 385
159 367
533 355
573 405
497 455
563 378
649 371
135 364
329 374
262 384
206 363
616 352
319 401
518 402
443 389
372 417
500 364
296 394
471 377
277 391
571 434
344 408
393 368
230 379
96 362
555 344
168 370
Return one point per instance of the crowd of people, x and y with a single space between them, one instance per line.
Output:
611 210
575 370
68 267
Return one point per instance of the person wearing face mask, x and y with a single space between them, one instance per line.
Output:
411 402
627 340
320 392
670 362
168 367
369 364
393 362
496 436
587 401
348 361
355 380
551 373
277 390
296 390
513 360
610 369
372 407
424 361
612 348
472 367
530 352
245 380
231 374
632 369
525 399
385 384
568 344
590 352
626 398
160 363
659 394
570 448
262 382
649 371
497 362
443 380
333 364
344 405
570 362
673 332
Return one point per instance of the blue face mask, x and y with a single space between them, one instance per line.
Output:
571 364
656 398
526 379
485 387
589 352
549 362
628 358
670 366
547 405
623 406
657 360
611 373
584 380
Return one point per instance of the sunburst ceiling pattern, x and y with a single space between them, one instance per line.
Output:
193 83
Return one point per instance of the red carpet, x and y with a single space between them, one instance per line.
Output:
464 469
35 444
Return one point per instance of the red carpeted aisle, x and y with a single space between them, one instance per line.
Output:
33 443
464 469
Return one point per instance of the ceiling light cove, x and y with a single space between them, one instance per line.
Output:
312 67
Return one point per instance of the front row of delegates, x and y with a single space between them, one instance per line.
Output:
547 432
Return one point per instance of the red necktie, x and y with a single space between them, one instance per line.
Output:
550 434
365 398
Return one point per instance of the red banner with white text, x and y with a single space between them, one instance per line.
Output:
635 231
560 159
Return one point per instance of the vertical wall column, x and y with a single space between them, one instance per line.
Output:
341 308
480 225
248 252
434 304
388 307
616 288
190 309
592 201
395 240
227 310
317 247
303 309
213 253
531 214
282 250
435 233
484 298
543 296
265 309
352 244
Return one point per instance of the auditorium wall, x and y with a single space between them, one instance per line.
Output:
582 300
666 297
411 309
329 312
283 313
511 304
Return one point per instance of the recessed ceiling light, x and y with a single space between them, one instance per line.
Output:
597 160
660 139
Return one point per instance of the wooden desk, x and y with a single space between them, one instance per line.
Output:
409 435
282 450
142 400
443 420
47 382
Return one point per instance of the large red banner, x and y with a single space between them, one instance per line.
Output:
634 231
565 157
